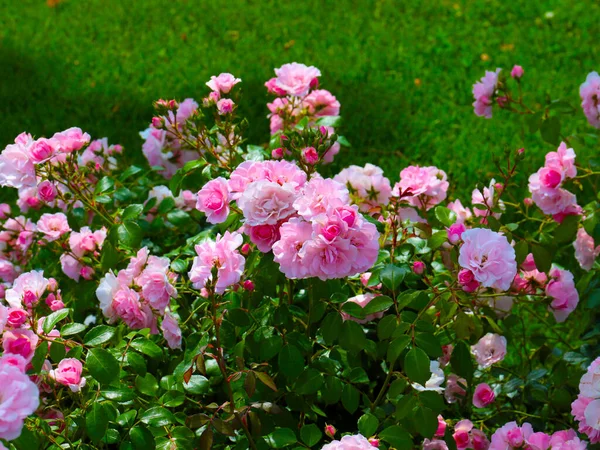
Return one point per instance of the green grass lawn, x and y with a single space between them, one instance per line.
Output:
99 64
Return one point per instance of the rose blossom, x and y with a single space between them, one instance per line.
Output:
213 200
289 252
16 317
486 197
266 202
461 433
322 103
489 256
46 191
566 440
310 156
10 359
590 95
20 342
355 442
171 331
434 383
225 106
16 168
295 79
561 288
422 187
71 139
53 226
517 72
585 250
155 282
484 91
263 236
418 267
490 349
455 232
483 395
222 83
136 315
68 373
19 398
368 187
27 289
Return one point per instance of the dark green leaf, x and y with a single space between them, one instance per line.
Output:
54 318
291 361
350 398
429 343
96 421
129 234
281 437
157 417
461 361
425 421
98 335
141 438
416 366
132 212
103 366
396 436
396 347
310 434
368 424
391 276
446 216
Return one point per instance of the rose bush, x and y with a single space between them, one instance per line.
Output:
233 296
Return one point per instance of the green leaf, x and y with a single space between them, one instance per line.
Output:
330 121
567 230
368 424
445 215
378 304
281 437
310 434
239 317
57 351
291 361
437 239
352 336
354 309
266 379
96 422
104 185
157 417
430 344
386 327
98 335
550 130
593 300
521 251
132 212
425 421
269 347
391 276
396 347
147 347
331 327
309 382
103 366
198 384
350 398
178 217
129 234
534 121
416 366
72 328
141 438
39 357
542 258
54 318
147 384
131 170
461 361
397 437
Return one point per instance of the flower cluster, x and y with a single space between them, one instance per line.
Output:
84 245
514 436
422 187
546 184
368 187
586 408
140 294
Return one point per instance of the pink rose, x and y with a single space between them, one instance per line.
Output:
441 429
295 79
20 342
322 103
586 251
489 256
263 236
289 252
126 304
266 202
71 139
590 93
20 398
16 317
155 282
310 156
70 266
418 267
53 226
27 289
484 91
483 395
479 440
461 434
467 280
10 359
355 442
222 83
225 106
462 213
455 387
47 191
490 349
369 187
561 288
213 200
517 72
422 187
272 87
68 373
171 331
43 149
455 232
434 444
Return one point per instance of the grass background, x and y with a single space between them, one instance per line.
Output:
402 71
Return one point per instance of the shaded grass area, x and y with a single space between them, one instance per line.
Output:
402 71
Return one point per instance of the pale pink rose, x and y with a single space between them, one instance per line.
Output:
19 398
434 444
186 200
579 410
355 442
285 172
223 255
501 304
489 256
589 385
222 83
43 149
483 395
296 79
455 232
517 72
225 106
16 317
585 250
16 168
71 139
589 92
266 202
289 252
490 349
486 197
127 305
27 289
363 300
107 288
455 388
328 260
561 288
562 161
422 187
263 236
368 186
20 342
484 92
549 178
318 195
213 200
509 435
552 200
4 211
47 191
171 331
479 440
566 440
3 317
321 103
135 267
331 152
8 272
272 87
461 434
54 302
28 199
68 373
462 213
538 441
53 226
155 282
70 266
86 240
244 174
10 359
